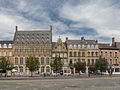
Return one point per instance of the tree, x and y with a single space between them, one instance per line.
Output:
5 64
33 64
80 66
56 65
101 64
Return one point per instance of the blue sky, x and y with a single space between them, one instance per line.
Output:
93 19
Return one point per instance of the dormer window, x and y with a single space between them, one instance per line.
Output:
0 46
5 45
9 46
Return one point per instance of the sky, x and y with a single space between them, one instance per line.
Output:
93 19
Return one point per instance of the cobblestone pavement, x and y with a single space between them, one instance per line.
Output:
62 84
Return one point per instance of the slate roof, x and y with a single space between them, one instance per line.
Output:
6 42
86 42
32 37
107 46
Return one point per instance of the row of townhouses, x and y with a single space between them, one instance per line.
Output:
39 44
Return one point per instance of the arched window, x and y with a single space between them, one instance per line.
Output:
16 68
21 68
47 69
70 46
92 46
75 46
79 46
42 69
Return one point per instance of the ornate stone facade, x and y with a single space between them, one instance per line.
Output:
85 50
59 48
32 43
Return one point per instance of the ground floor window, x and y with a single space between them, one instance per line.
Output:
47 69
117 69
42 69
21 68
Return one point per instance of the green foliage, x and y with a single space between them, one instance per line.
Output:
56 65
33 64
6 64
101 64
80 66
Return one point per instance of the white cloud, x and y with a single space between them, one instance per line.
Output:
103 17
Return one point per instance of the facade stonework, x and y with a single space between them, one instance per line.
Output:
39 44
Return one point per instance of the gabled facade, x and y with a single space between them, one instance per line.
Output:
59 49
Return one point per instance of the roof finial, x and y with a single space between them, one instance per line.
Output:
50 27
16 28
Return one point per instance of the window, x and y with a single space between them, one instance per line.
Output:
70 46
92 53
83 54
88 62
16 60
83 60
65 55
115 54
88 53
74 54
65 61
96 60
78 53
92 61
74 60
110 54
106 54
115 61
42 69
96 53
21 69
47 69
47 61
70 54
53 55
0 53
111 61
10 53
42 60
117 69
61 55
21 60
70 61
101 53
5 53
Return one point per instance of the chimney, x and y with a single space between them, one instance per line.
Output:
96 41
51 28
66 40
82 38
16 28
113 41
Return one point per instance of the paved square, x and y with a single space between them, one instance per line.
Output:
62 84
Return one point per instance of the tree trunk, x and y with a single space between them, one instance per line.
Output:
6 75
